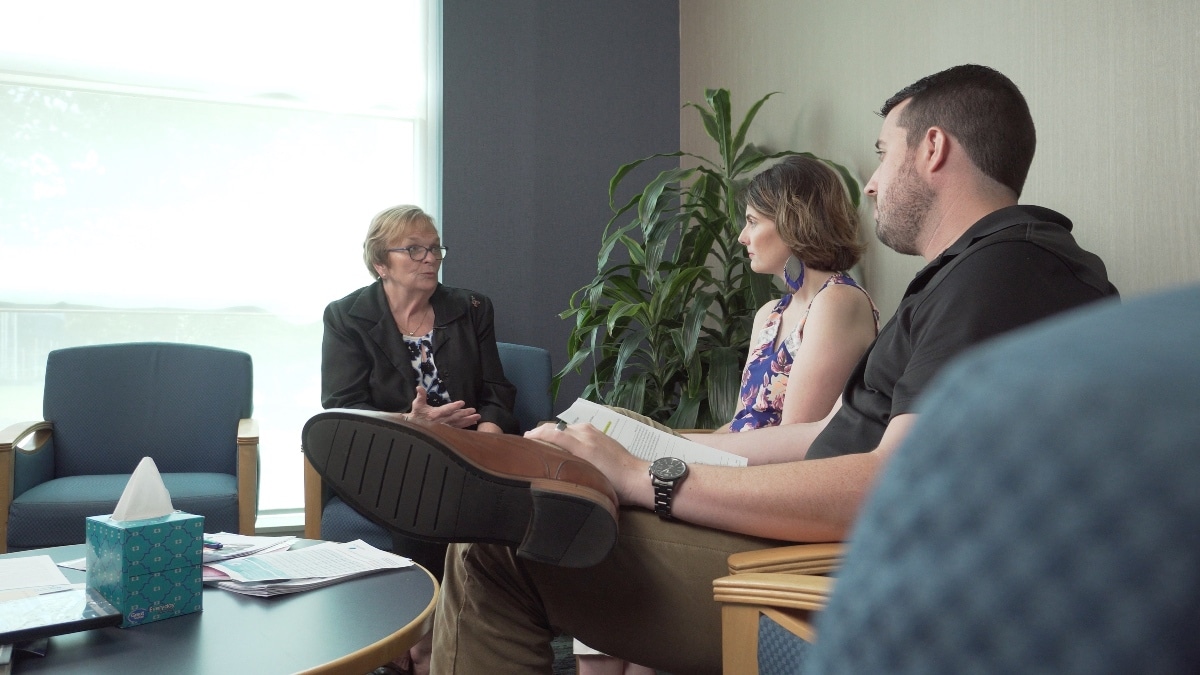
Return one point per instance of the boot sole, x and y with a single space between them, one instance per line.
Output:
410 482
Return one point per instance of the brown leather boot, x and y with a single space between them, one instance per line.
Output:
445 484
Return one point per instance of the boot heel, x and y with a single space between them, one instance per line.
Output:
567 531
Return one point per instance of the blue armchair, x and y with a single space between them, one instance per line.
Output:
1039 517
105 407
327 517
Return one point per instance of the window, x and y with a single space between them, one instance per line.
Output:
204 173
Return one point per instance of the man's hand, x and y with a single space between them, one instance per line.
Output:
629 475
454 414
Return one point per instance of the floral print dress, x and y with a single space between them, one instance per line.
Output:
420 354
765 377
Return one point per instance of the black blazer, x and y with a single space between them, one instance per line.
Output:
365 365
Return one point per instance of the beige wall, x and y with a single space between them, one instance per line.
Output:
1114 92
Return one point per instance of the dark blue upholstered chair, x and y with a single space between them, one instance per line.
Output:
104 408
1039 518
327 517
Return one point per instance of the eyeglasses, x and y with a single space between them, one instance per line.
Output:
418 253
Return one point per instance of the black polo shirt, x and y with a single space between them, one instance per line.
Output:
1013 267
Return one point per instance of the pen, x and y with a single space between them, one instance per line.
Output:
214 545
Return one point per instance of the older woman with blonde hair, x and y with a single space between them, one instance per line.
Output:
409 345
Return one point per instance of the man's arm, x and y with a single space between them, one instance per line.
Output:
814 500
769 445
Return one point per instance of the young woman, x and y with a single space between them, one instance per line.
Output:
802 228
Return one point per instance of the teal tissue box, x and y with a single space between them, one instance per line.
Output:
149 569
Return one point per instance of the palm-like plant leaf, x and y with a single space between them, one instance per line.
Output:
666 330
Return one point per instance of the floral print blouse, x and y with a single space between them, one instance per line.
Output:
765 377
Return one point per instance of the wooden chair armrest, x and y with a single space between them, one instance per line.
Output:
247 475
312 501
798 559
13 434
789 600
11 437
793 591
780 583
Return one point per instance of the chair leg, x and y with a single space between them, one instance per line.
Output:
312 501
247 476
739 639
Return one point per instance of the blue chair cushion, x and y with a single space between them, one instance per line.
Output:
780 652
53 513
340 522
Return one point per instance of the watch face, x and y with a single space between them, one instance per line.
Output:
668 468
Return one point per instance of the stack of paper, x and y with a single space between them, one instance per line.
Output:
239 545
328 563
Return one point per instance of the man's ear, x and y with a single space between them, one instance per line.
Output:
935 149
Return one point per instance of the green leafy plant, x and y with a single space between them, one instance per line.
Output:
667 329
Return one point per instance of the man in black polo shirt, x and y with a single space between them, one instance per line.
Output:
955 149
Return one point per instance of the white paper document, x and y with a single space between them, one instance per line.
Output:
644 441
271 574
240 545
323 560
30 572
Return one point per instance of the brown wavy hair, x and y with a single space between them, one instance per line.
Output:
811 209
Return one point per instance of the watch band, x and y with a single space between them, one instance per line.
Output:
666 473
664 492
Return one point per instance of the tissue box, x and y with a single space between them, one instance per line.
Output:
149 569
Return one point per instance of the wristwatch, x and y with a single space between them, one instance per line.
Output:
666 474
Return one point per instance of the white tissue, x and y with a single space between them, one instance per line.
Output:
145 496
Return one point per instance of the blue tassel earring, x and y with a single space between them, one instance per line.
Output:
793 273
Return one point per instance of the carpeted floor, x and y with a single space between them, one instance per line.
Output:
564 655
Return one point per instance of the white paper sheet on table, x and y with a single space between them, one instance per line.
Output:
329 559
29 572
332 562
241 545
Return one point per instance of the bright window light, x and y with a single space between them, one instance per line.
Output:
204 173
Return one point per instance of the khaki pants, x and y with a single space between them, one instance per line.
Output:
650 602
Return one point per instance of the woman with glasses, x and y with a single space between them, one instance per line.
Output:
407 344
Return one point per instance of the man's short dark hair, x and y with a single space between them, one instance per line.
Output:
981 108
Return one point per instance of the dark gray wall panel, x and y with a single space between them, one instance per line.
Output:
543 100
